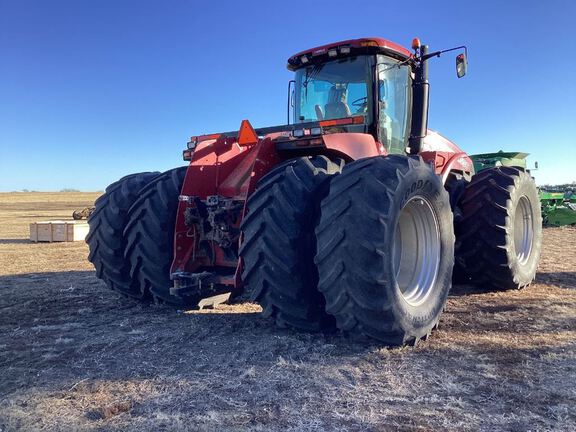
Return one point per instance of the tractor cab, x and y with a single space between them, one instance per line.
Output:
367 77
374 78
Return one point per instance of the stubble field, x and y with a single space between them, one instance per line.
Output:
75 356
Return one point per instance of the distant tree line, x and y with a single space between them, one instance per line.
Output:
61 190
566 187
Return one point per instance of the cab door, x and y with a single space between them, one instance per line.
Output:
394 88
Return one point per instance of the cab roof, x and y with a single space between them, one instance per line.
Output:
357 46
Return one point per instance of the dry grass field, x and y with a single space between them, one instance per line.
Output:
75 356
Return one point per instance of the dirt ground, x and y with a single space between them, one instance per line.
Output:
75 356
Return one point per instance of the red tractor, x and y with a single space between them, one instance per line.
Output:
352 216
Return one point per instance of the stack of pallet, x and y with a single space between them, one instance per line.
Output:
58 231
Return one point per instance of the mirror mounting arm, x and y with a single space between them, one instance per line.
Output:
438 53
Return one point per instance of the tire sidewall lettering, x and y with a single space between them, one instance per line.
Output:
424 187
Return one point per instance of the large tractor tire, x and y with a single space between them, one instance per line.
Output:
499 237
279 242
105 238
386 249
150 236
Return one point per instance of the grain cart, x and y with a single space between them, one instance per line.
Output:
342 218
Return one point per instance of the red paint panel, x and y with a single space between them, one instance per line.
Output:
446 155
446 162
219 167
213 162
354 145
433 141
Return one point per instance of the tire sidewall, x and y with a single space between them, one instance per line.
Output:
421 181
524 187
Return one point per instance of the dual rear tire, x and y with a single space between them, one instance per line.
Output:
499 236
131 235
279 243
106 239
367 248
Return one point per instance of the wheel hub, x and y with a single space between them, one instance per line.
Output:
416 250
523 230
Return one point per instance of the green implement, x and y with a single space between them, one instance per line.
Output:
558 208
489 160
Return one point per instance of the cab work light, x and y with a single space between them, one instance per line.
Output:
345 50
332 53
298 133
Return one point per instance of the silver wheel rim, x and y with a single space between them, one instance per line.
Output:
523 229
416 250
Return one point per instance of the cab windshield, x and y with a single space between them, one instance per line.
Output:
335 89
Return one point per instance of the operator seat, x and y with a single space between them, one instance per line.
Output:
336 106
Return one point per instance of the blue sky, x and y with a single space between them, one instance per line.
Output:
93 90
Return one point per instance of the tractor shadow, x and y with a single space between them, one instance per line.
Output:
467 289
566 280
559 279
66 326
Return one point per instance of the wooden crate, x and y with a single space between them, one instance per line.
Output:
58 231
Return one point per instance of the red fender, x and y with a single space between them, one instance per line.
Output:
354 145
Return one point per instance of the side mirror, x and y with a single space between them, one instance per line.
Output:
461 65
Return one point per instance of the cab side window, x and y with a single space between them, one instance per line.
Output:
394 105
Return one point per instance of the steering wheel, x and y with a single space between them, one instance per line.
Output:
360 102
361 105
